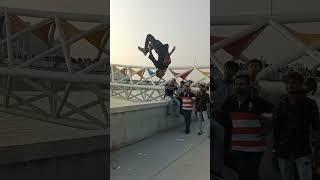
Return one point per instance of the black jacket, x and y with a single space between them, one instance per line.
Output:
256 105
202 99
292 127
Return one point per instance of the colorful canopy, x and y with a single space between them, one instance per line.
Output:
94 39
237 47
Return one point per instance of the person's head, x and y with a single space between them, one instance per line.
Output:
187 88
160 73
294 83
182 83
230 69
173 81
254 66
241 83
202 87
310 85
188 83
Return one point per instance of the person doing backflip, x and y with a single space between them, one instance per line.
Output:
163 54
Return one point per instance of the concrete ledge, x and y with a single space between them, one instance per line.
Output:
131 124
93 165
32 149
52 149
137 107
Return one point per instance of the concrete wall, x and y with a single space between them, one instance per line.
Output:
81 159
94 165
130 124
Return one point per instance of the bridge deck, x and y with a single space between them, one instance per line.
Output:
172 155
24 139
168 155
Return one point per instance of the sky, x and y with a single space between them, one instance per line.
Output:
180 23
270 44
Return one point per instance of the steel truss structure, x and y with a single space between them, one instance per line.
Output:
147 87
277 22
75 98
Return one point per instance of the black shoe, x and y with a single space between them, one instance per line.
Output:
187 131
216 176
200 133
230 165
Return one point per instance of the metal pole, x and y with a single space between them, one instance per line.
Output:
65 48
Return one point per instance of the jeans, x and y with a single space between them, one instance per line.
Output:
187 118
216 147
161 49
302 165
247 164
203 120
173 101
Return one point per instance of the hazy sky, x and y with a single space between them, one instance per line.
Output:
183 23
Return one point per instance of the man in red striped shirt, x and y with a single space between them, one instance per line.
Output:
187 106
245 127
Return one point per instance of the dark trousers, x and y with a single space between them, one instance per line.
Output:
180 100
157 45
247 164
187 118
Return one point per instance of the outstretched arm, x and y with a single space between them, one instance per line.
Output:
174 48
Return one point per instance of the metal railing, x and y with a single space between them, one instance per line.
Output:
71 97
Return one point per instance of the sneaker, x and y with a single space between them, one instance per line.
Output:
216 176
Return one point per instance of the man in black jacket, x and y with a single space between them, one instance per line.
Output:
292 121
163 54
170 88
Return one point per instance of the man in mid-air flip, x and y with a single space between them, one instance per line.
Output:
163 54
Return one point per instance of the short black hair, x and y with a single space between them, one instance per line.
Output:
231 64
242 75
202 85
312 84
253 61
293 75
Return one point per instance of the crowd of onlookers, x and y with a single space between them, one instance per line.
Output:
182 100
242 120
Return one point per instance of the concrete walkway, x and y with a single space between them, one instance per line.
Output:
168 155
172 155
